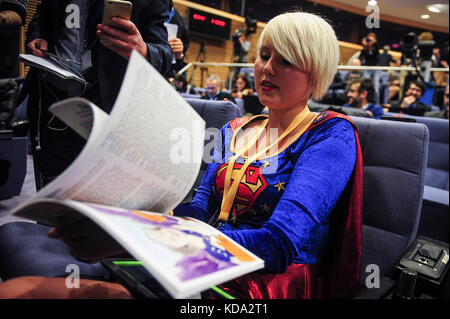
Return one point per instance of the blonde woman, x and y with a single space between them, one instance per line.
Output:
277 178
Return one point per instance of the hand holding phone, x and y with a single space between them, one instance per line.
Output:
116 8
118 33
122 39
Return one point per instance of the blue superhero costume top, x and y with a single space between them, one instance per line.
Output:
284 215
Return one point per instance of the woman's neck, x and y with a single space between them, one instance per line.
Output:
281 118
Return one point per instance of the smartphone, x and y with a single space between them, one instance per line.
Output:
116 8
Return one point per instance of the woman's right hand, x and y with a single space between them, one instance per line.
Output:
37 46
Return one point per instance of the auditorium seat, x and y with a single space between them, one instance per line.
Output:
200 91
395 159
435 207
13 164
191 96
216 114
240 104
350 111
427 97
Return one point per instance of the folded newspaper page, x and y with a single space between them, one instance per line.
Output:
145 155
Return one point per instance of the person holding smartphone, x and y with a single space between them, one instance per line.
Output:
72 30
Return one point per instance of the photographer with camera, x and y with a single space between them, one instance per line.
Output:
241 48
369 57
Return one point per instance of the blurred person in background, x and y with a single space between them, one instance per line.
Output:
444 112
361 95
413 94
369 57
242 86
214 90
179 44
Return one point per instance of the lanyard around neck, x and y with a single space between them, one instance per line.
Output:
303 119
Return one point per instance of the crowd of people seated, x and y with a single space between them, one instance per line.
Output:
375 91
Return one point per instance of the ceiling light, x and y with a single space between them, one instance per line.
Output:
425 16
372 3
433 9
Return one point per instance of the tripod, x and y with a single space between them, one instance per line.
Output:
201 58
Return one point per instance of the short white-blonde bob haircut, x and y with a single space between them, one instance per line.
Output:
308 42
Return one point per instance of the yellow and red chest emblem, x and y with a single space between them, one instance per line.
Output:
251 186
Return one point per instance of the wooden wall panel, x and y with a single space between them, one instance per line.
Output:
31 10
222 51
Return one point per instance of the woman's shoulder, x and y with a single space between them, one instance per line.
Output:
331 119
332 124
240 122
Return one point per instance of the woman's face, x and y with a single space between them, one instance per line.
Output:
240 84
279 84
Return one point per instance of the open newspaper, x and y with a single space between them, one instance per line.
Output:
138 164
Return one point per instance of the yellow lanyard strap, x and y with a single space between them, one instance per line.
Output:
304 119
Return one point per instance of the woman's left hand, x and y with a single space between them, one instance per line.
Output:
86 240
122 39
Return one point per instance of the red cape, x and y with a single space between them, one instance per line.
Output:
338 274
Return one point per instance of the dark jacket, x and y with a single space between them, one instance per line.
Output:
369 58
183 34
147 15
417 109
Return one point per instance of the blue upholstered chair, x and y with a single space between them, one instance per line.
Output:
395 161
240 104
435 208
13 164
216 114
191 96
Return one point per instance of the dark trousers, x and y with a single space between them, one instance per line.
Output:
9 51
54 145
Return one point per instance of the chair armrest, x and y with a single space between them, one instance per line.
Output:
435 196
387 286
435 215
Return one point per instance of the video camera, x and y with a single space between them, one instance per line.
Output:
8 94
9 91
412 48
420 52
